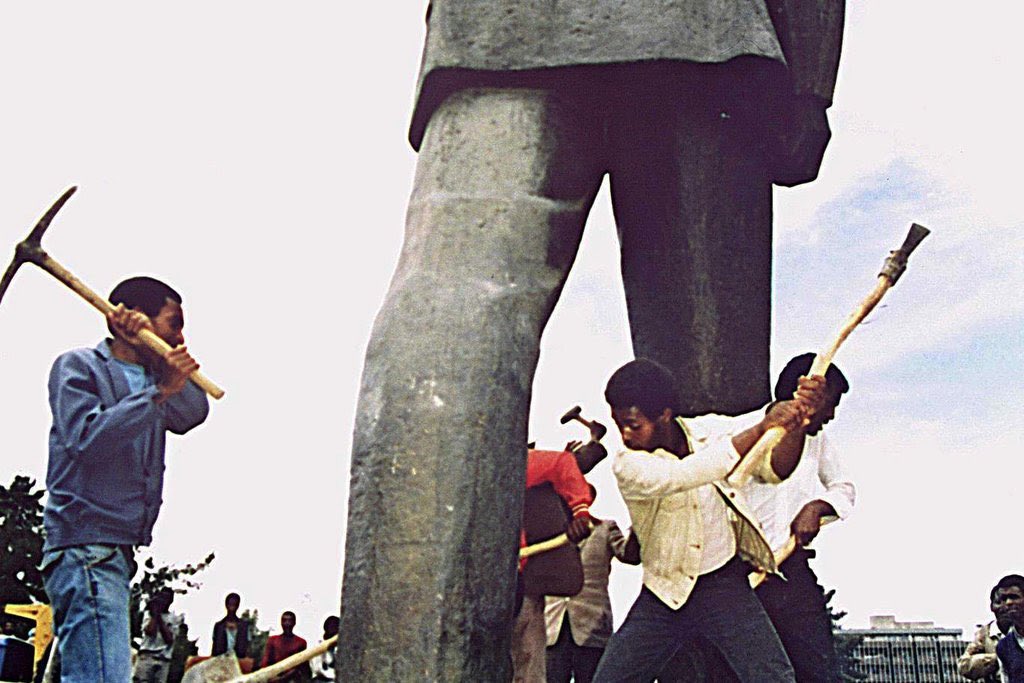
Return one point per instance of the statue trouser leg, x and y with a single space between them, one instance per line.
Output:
692 202
438 462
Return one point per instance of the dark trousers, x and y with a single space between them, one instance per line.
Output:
797 609
568 661
721 608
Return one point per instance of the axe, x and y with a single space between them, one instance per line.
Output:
574 414
30 250
892 269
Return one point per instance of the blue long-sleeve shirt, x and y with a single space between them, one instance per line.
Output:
106 469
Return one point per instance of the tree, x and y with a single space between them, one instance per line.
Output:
846 645
257 637
21 542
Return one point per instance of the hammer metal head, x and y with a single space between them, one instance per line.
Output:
571 414
30 248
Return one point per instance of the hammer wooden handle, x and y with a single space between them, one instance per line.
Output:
148 337
543 546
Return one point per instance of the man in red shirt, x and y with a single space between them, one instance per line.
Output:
285 645
561 470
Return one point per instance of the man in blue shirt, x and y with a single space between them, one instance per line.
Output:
112 407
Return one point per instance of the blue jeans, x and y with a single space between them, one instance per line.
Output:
88 587
722 609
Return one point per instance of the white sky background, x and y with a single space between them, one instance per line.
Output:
254 155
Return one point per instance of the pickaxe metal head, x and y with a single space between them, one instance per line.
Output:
30 248
897 262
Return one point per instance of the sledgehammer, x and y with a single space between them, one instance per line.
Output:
30 250
597 430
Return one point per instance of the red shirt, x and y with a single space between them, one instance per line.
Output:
279 647
560 469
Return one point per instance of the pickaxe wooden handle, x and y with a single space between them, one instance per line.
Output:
892 269
286 664
31 250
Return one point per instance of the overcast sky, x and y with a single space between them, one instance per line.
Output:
254 155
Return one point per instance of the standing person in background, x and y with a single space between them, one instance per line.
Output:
285 645
1009 600
112 407
579 627
323 665
979 660
158 633
561 471
231 633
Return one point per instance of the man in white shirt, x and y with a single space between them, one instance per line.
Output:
158 634
979 660
696 533
818 490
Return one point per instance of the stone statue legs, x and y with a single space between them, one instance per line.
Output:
505 179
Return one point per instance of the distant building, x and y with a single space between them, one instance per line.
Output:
908 651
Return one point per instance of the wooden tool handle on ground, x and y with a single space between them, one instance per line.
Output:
148 337
286 664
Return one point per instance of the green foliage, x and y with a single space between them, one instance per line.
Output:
21 542
846 644
153 578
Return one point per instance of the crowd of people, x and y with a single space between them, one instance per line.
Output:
230 635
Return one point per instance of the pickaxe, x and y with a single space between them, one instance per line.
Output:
892 269
597 429
30 250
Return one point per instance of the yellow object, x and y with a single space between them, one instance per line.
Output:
43 616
